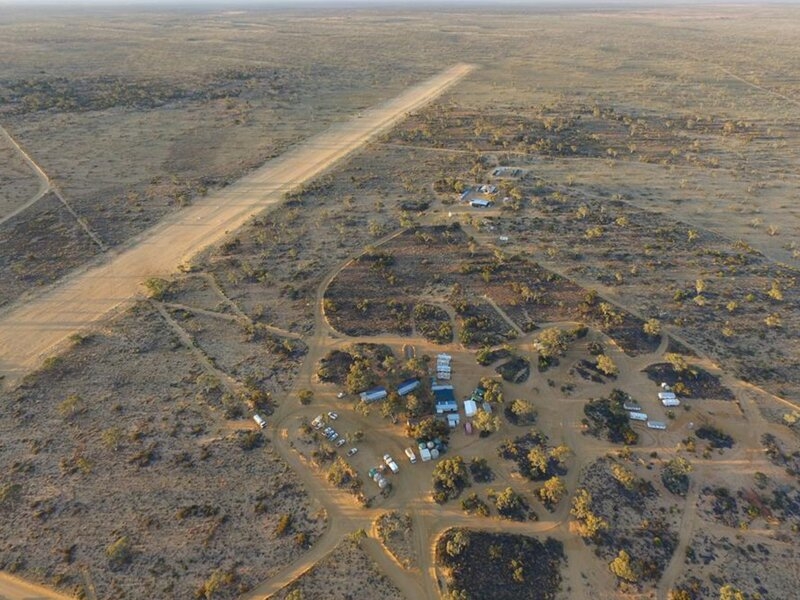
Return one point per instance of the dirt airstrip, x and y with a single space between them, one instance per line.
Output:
29 332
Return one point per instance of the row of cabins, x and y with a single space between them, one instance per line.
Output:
668 399
379 393
444 369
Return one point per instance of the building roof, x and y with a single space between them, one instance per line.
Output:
470 408
446 406
407 386
443 393
374 394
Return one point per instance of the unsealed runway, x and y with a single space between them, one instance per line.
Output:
31 330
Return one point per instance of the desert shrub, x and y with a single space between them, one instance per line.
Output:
157 288
284 525
119 552
511 505
249 440
474 505
480 470
215 582
675 476
716 437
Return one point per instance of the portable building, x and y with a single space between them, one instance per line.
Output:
408 386
637 416
373 395
470 408
631 406
425 454
666 395
671 402
656 425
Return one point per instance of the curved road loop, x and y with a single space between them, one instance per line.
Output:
31 331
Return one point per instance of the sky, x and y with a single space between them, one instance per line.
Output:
367 3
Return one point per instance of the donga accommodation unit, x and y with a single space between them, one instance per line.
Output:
408 386
443 367
480 203
373 395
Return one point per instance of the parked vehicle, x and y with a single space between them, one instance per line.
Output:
333 416
411 456
260 421
352 451
390 463
341 442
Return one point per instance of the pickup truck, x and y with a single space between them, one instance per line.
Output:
390 463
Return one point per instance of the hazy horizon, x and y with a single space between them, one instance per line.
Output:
238 4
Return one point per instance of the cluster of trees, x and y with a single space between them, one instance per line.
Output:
342 475
609 415
675 475
510 504
433 323
587 524
521 412
533 457
450 477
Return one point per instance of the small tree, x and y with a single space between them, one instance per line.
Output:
539 462
486 422
652 327
552 491
522 412
553 342
678 362
606 365
624 476
306 396
622 568
728 592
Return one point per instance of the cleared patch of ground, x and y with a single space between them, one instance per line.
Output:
347 572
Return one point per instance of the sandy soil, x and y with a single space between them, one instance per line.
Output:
29 332
13 588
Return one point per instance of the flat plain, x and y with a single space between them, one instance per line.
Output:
641 170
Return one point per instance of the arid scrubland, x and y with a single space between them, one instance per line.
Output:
643 230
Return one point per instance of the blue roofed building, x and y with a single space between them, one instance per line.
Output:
407 386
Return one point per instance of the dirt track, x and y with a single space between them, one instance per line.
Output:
31 331
12 588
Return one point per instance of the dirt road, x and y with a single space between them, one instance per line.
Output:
12 588
31 331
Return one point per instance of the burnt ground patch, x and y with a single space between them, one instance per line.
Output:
692 382
500 565
386 286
